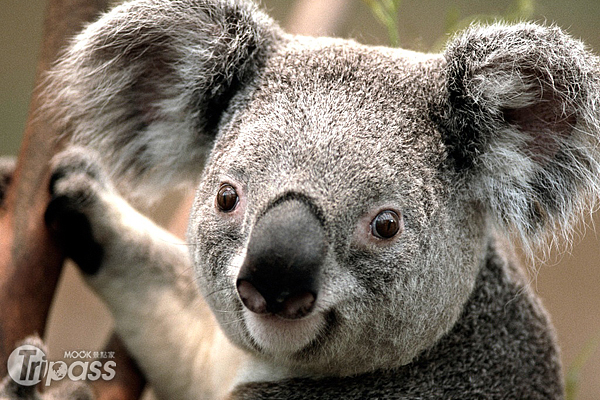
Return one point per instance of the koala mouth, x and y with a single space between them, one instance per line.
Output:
276 335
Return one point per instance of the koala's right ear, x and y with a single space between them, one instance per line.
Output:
146 85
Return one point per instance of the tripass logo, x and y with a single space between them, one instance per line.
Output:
28 366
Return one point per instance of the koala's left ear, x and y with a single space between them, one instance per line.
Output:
148 83
521 122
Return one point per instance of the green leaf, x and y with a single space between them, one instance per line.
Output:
386 12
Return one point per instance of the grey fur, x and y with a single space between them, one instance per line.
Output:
150 67
477 348
540 80
495 138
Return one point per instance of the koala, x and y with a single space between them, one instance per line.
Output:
356 208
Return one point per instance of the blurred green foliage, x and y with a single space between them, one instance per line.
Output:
387 11
573 376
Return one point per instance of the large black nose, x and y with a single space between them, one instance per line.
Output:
281 272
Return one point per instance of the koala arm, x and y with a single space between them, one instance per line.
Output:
144 274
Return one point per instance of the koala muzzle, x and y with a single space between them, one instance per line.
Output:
281 272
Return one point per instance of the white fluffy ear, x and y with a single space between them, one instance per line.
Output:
147 84
521 121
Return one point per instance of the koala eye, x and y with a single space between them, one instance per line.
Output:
386 224
227 198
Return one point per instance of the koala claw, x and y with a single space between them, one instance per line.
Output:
9 390
75 186
76 168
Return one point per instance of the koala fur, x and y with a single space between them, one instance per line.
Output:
493 141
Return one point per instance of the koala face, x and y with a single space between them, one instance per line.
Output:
333 199
346 192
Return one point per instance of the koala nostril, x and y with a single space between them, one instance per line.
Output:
251 297
285 305
297 305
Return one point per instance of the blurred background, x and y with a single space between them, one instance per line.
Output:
569 284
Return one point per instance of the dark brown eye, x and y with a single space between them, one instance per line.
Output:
386 224
227 198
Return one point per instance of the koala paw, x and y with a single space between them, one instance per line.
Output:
69 390
76 184
10 390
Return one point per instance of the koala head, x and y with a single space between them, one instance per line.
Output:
345 193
